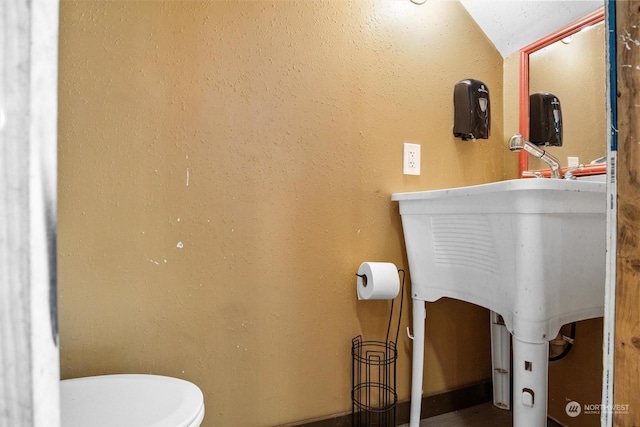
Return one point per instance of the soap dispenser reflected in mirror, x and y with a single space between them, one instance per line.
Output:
545 119
545 129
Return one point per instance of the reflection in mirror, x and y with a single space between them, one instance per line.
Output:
558 70
574 71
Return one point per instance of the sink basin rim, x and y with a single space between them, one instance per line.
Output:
505 186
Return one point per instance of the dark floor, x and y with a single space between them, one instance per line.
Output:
484 415
475 416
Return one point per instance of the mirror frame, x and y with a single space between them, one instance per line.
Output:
593 18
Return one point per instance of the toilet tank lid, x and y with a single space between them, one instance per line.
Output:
129 400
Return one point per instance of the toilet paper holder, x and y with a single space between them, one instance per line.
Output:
377 280
373 381
364 279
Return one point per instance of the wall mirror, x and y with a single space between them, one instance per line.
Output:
569 63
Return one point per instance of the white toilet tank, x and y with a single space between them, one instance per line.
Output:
130 400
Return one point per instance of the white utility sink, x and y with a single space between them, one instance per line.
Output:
532 250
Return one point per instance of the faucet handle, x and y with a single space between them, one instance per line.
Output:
568 174
533 174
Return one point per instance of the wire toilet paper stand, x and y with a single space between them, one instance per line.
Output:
373 376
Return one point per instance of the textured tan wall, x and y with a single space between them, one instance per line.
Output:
224 167
511 105
578 377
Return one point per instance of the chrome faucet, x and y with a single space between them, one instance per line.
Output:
517 143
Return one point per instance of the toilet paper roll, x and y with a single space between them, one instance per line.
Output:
377 280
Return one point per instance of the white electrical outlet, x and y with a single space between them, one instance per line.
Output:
411 159
573 162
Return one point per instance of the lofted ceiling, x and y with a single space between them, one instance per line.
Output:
514 24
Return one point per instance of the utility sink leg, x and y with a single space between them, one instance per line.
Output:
530 373
500 362
419 318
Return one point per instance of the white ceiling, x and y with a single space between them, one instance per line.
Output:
514 24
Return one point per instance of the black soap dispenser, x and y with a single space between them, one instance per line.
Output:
471 110
545 119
